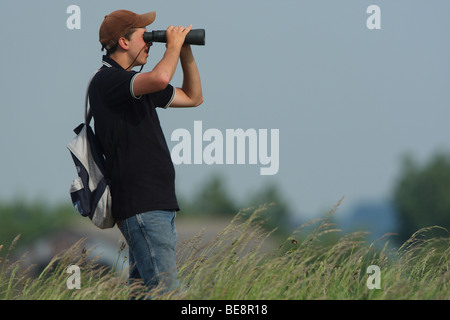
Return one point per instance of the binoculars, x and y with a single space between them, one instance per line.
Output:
195 37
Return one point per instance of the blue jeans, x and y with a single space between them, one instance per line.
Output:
151 238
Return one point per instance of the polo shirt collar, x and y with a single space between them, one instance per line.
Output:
110 62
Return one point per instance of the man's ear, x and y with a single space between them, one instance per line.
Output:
123 43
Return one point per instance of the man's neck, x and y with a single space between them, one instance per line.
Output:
121 59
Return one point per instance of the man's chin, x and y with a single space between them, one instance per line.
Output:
143 62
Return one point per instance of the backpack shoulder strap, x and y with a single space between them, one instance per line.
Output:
88 111
117 130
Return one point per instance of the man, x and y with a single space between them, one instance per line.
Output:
142 175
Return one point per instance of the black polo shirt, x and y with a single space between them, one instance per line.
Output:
143 175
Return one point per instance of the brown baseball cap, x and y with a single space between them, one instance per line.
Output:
118 23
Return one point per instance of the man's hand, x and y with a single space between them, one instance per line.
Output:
176 36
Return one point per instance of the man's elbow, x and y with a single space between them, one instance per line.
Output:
198 101
162 81
159 79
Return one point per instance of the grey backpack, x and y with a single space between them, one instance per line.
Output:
90 191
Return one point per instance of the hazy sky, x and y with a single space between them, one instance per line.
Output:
348 101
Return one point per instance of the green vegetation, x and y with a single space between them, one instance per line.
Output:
421 194
213 200
33 219
235 265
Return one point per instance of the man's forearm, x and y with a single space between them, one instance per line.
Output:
191 77
168 64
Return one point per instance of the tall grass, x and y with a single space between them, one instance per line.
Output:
236 265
